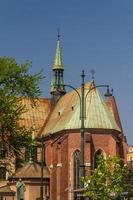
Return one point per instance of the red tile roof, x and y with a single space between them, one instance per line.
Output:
6 191
31 170
35 116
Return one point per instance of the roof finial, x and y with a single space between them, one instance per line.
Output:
93 73
58 33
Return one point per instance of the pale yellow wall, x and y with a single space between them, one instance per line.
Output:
130 153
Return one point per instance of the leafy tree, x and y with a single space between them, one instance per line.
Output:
106 182
15 83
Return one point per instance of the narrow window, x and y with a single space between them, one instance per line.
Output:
2 173
76 166
98 154
2 153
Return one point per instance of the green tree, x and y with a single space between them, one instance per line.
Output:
106 182
15 83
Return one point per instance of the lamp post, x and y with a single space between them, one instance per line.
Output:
82 117
82 98
42 166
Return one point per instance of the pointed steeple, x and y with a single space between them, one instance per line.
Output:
58 64
57 84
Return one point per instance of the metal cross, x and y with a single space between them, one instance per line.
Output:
58 33
93 73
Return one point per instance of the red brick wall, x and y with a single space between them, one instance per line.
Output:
60 162
100 141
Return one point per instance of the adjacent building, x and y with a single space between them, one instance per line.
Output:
130 154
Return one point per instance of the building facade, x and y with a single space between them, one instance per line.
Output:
62 134
58 122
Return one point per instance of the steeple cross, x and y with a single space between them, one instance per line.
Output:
58 33
93 73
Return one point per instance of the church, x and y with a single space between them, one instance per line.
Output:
72 129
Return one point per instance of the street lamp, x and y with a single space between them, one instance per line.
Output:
42 167
82 98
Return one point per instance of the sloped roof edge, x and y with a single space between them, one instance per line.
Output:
66 113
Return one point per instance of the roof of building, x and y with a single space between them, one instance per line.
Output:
31 170
65 115
35 115
111 103
6 191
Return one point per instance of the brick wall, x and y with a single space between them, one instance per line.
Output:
59 158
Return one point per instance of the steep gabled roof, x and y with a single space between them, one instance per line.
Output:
35 116
111 103
6 191
31 170
66 113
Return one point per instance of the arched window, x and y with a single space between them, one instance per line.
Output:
99 153
76 166
2 172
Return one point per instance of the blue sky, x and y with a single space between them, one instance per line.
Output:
95 34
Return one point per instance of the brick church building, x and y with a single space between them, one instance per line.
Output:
57 122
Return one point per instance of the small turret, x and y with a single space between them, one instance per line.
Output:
57 84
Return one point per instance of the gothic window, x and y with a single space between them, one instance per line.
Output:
2 153
2 172
19 163
76 166
99 153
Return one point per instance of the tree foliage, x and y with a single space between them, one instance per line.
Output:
15 82
106 182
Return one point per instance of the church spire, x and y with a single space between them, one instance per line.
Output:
57 84
58 64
